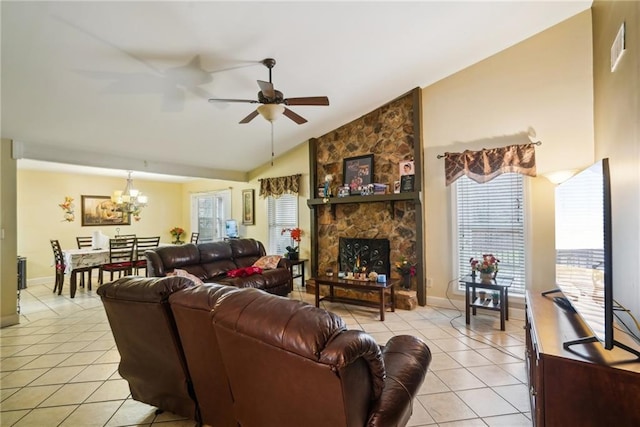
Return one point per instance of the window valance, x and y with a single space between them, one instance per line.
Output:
486 164
278 186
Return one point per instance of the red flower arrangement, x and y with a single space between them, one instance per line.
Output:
489 264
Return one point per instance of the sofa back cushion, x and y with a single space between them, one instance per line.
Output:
147 340
294 340
192 312
216 259
246 251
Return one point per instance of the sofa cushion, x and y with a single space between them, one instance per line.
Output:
184 273
178 256
268 262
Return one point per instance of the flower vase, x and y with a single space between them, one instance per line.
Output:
486 278
294 256
406 281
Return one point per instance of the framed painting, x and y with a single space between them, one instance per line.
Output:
100 210
358 172
248 208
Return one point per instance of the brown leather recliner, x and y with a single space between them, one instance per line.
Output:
192 311
151 356
291 364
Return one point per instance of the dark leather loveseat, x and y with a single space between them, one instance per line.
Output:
253 359
211 262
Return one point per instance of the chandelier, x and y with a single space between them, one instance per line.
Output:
130 201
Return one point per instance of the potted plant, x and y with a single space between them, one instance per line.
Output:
293 251
407 270
488 267
176 233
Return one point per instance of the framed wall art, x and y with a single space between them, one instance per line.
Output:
100 210
248 206
358 172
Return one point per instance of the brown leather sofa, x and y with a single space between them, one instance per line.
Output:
151 357
260 360
211 262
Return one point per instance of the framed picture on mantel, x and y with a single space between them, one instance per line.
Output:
358 172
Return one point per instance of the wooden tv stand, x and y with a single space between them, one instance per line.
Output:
584 385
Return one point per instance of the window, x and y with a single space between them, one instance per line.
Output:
282 213
208 214
490 220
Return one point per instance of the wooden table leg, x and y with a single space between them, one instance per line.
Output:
317 294
382 304
466 304
393 299
506 303
502 309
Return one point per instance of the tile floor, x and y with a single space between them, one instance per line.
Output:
59 366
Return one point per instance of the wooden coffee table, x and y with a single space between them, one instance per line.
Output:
356 284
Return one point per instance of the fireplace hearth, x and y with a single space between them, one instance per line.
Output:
354 254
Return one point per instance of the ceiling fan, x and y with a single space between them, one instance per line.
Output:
272 101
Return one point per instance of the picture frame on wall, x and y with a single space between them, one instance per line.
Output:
407 168
248 207
101 210
358 172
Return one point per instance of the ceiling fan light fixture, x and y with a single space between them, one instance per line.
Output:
270 111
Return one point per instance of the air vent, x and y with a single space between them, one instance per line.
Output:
617 48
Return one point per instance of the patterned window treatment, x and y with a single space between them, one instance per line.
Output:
278 186
484 165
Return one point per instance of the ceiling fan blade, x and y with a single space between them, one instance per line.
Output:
250 117
295 117
267 89
309 100
250 101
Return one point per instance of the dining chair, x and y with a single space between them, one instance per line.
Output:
194 238
121 251
59 266
143 244
85 242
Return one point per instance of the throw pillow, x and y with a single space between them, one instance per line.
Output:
253 270
268 262
238 272
184 273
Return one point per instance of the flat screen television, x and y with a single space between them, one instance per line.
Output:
231 228
584 251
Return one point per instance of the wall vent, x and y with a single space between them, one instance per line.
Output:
617 48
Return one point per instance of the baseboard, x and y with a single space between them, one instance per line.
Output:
12 319
41 281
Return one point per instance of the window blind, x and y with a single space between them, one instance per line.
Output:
490 220
282 212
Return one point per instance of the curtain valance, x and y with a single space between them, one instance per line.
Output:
486 164
278 186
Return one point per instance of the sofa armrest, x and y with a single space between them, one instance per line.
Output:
406 359
284 263
155 267
347 346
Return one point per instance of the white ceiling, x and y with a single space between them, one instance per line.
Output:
125 84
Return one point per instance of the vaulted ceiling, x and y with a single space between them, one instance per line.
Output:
125 84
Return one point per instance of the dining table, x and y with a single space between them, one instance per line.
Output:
80 259
77 259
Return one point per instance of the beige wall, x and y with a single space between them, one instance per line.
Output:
617 136
545 83
40 218
295 161
8 252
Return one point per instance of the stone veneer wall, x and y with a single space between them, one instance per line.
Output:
388 133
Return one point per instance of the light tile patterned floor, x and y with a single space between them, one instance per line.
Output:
59 367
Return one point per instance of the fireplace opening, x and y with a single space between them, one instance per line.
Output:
354 254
